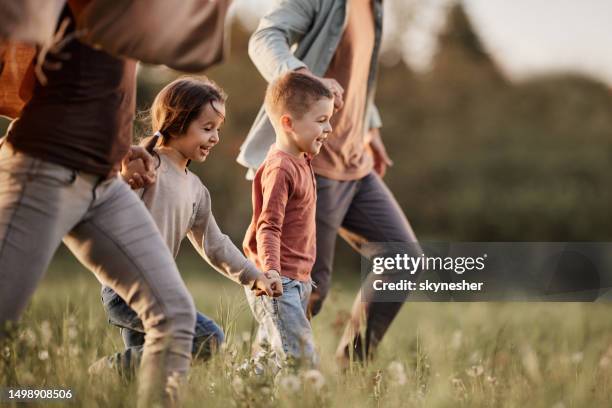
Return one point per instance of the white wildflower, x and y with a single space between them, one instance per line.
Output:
396 372
531 363
456 340
475 371
238 385
290 383
43 355
315 379
46 333
577 357
74 351
72 333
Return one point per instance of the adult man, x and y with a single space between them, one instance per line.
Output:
337 41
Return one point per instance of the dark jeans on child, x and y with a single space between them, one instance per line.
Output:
207 339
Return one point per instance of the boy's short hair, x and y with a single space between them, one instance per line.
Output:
294 93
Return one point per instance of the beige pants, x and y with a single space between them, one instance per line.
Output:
111 232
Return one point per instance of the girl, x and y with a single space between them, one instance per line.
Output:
186 115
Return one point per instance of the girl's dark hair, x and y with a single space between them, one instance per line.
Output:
178 104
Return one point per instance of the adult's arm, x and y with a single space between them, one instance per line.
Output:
270 45
187 35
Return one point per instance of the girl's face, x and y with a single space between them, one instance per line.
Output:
202 134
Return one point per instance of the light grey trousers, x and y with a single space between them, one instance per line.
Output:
111 232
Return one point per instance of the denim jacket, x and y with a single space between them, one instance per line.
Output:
295 34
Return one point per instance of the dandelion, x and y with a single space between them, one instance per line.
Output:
397 374
606 359
475 371
577 357
43 355
531 363
315 379
475 357
46 334
238 385
290 383
459 386
74 351
456 340
72 333
460 389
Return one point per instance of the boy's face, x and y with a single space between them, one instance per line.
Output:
310 131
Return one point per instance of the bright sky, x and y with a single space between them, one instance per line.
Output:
533 36
525 36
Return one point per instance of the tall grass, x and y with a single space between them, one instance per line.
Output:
435 355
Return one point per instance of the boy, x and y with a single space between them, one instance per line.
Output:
281 237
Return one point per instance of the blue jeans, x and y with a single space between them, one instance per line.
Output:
207 339
283 323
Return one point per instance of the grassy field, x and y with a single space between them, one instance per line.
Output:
435 355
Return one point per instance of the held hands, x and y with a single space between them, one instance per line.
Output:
137 168
268 283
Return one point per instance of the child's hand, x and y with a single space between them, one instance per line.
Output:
268 283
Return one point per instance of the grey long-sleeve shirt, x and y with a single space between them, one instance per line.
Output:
181 207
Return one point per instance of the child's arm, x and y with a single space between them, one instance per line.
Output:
221 253
275 190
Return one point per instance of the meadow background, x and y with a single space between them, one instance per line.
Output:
477 158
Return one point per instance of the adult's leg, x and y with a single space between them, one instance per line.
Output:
333 200
374 216
119 242
39 203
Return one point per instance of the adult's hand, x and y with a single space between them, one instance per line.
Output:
336 89
138 167
381 158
